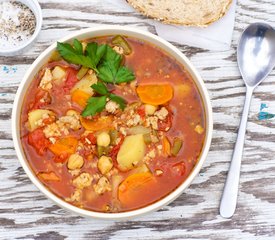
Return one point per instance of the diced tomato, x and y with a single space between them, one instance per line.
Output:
141 112
166 124
38 140
48 120
91 137
71 79
86 152
179 169
61 158
42 98
114 151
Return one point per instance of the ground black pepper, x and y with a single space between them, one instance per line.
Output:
17 24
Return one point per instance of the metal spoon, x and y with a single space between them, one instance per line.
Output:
256 59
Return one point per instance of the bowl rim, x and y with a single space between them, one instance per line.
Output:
145 35
36 9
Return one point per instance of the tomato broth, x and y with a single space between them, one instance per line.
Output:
123 147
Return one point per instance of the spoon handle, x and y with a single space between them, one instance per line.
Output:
230 192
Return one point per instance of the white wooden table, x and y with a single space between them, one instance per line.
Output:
25 213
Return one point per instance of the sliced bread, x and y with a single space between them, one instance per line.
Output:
183 12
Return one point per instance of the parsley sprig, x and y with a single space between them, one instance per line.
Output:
101 58
74 53
97 104
107 64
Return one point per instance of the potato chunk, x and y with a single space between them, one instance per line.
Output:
141 169
85 84
58 74
131 152
35 118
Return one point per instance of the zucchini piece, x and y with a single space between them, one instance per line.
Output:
82 72
121 42
176 146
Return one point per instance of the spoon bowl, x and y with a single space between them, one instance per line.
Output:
256 59
256 53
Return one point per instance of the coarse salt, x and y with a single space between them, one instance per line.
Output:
17 24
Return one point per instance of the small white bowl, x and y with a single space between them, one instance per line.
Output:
36 9
97 32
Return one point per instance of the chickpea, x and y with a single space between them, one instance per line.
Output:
75 161
150 109
105 164
103 139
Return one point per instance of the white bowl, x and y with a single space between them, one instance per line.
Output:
96 32
36 9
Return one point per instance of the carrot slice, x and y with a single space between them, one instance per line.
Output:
80 97
155 94
97 124
64 146
135 188
48 176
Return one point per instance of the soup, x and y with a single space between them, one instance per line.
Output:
112 124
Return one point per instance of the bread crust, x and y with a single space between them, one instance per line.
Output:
200 13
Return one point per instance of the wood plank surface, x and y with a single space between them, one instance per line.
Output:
25 213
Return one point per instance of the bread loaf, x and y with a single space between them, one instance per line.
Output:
183 12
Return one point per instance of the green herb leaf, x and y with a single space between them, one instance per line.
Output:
124 74
108 70
95 105
106 63
78 47
101 58
100 88
112 55
112 72
95 53
119 100
71 55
